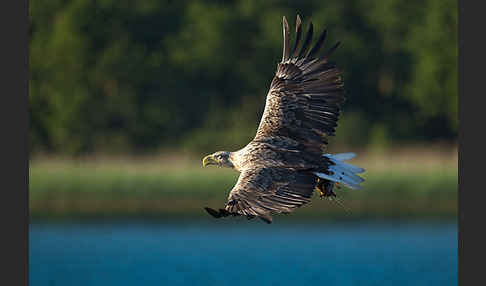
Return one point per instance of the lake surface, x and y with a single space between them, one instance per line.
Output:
243 253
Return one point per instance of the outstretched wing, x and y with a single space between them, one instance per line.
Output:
305 94
261 192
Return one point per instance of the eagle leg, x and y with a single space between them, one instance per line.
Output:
318 187
325 188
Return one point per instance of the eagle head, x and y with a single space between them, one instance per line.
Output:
220 158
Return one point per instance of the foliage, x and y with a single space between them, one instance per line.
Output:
163 188
126 76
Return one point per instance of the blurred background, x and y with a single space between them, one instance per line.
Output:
126 97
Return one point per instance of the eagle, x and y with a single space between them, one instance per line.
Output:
285 163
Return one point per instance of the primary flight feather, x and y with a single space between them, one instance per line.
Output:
285 163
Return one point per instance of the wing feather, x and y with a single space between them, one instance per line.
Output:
298 33
263 192
286 36
307 41
318 45
305 95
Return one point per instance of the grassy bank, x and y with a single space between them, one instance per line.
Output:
398 186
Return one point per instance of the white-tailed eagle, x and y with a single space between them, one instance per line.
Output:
286 161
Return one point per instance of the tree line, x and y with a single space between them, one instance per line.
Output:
134 76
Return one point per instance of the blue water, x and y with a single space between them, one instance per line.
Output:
243 253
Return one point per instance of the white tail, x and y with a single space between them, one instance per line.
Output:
343 172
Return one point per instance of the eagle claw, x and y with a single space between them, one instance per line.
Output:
326 190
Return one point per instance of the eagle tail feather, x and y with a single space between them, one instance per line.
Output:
341 172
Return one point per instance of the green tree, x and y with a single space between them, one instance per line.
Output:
134 76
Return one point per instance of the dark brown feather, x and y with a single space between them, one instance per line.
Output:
304 99
307 41
286 36
317 45
298 33
266 191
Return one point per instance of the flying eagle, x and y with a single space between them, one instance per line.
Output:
285 163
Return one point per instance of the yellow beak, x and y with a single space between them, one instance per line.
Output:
208 160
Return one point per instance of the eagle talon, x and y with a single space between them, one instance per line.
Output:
330 193
325 191
318 188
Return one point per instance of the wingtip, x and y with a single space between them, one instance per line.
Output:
285 25
311 26
213 212
331 50
266 218
336 45
286 39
